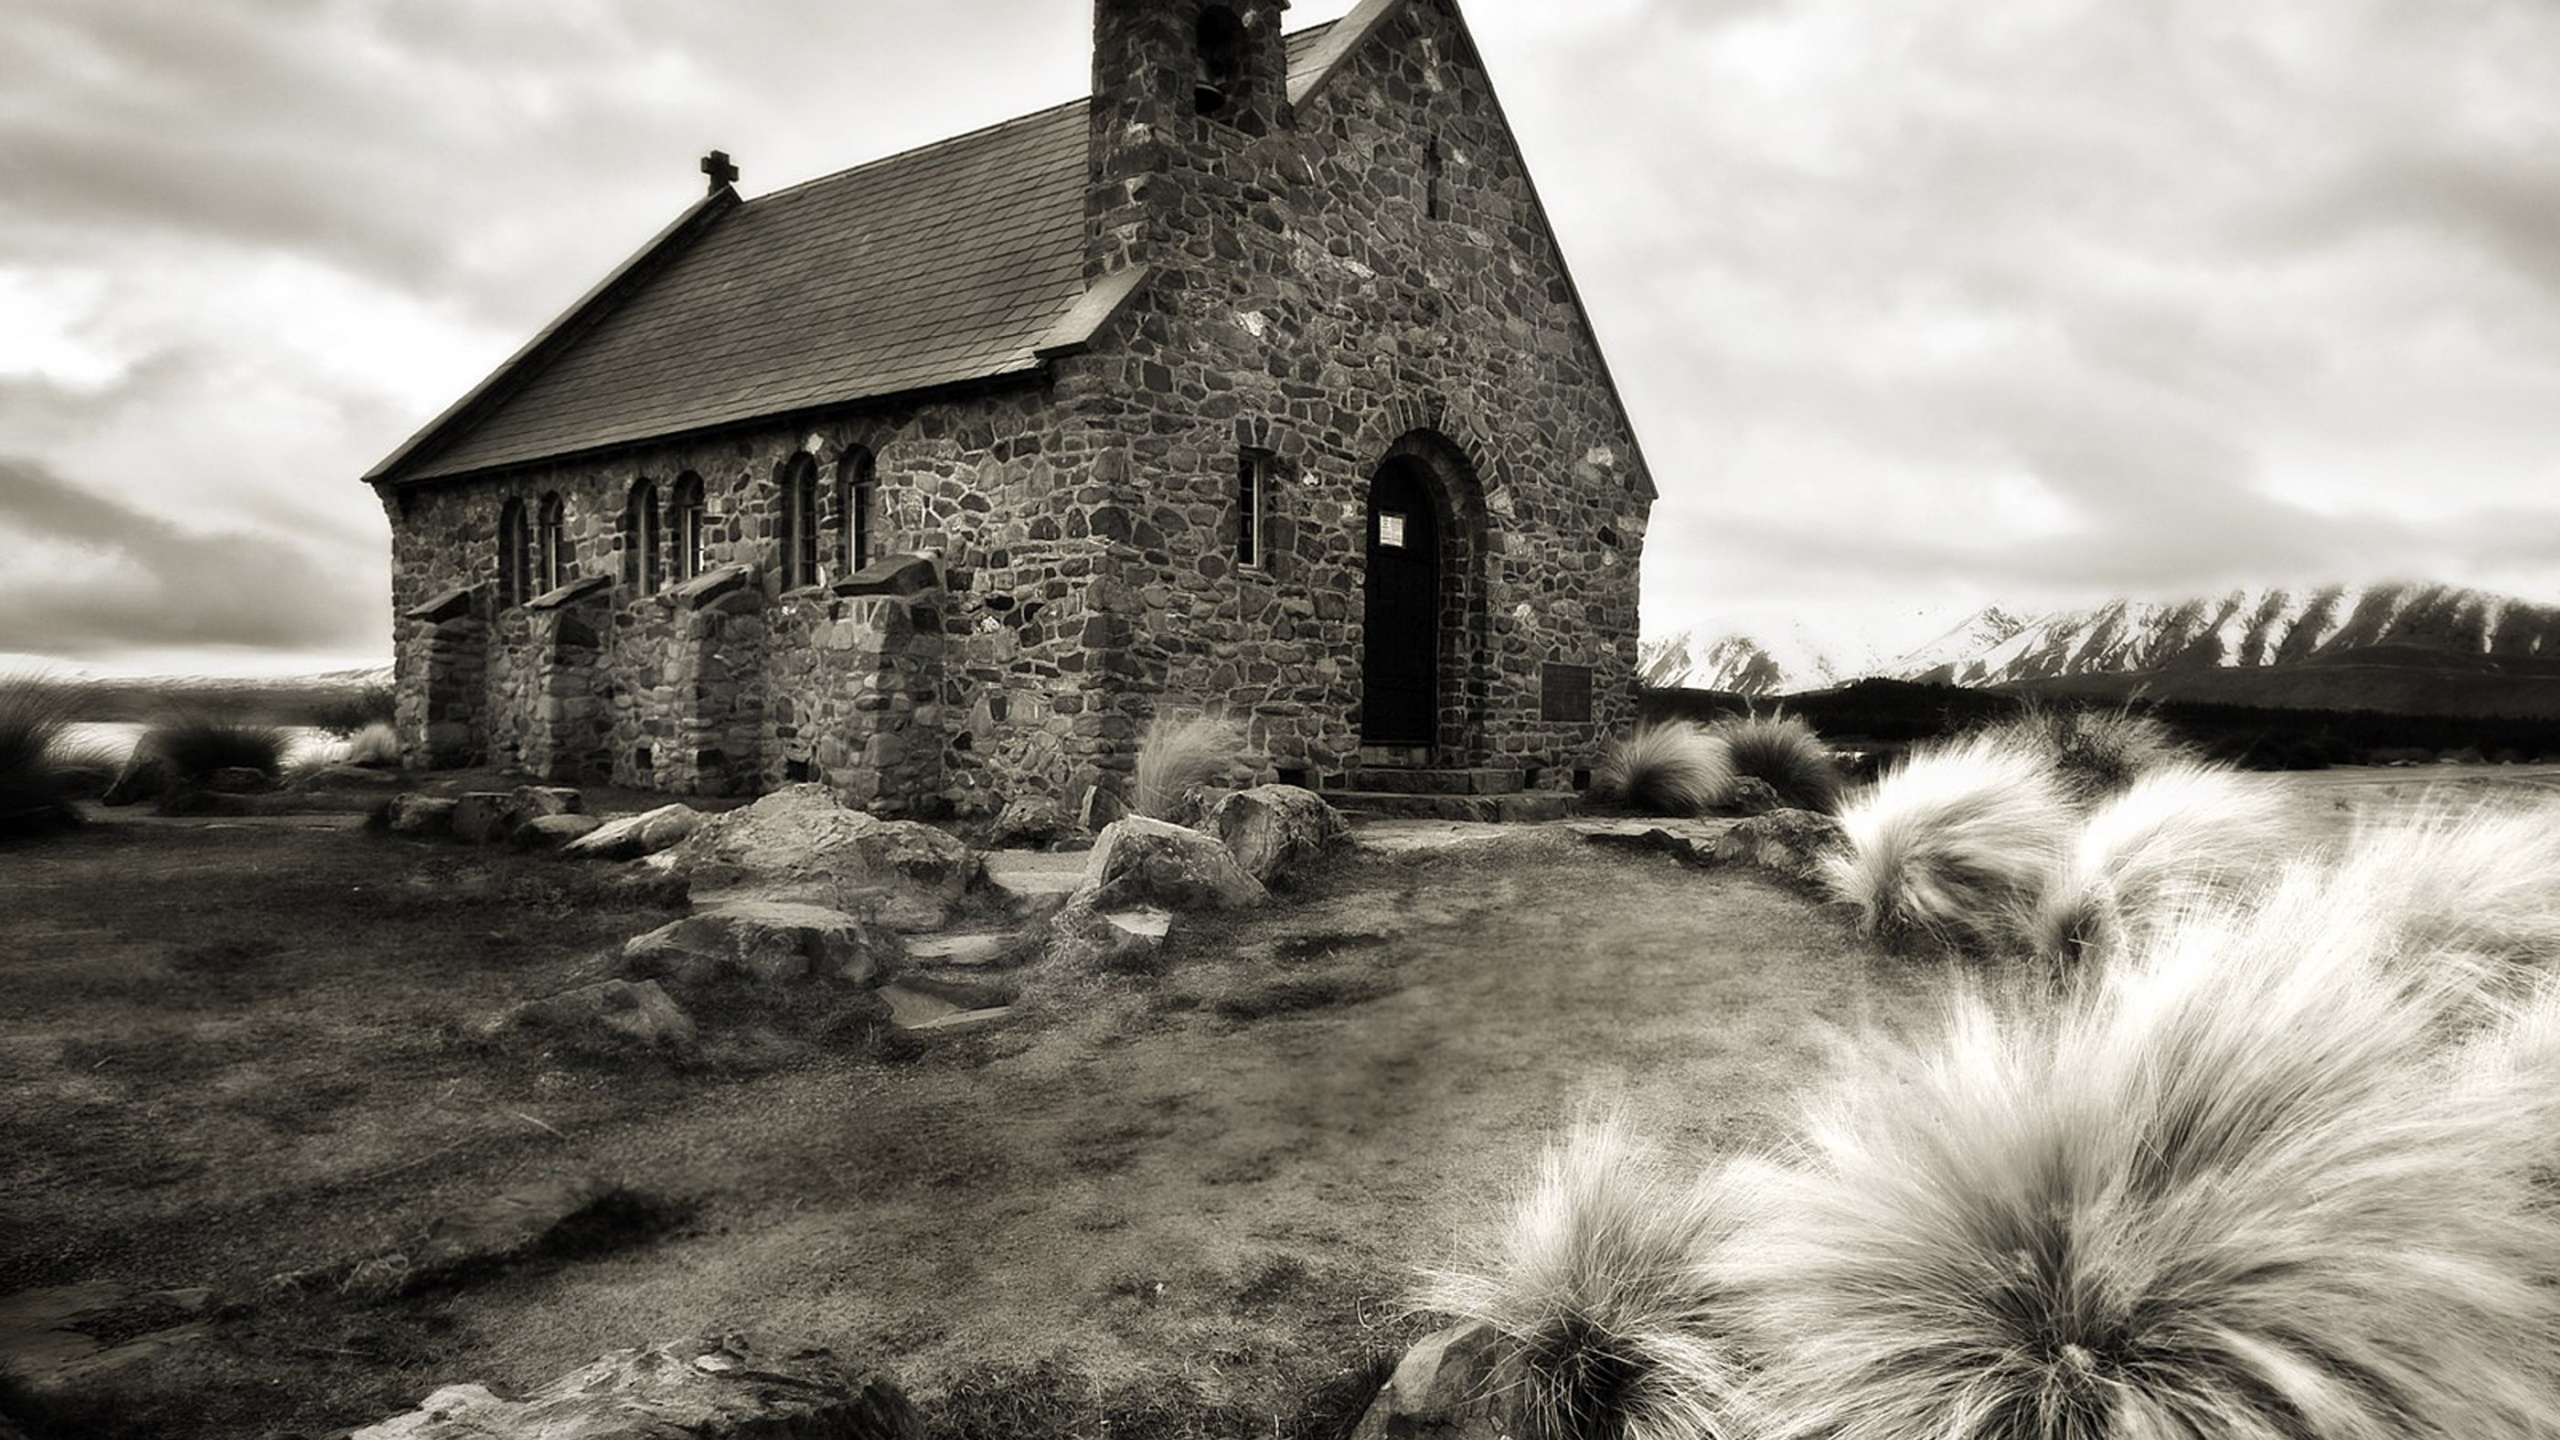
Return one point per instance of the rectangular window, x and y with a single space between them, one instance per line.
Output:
1390 530
1254 472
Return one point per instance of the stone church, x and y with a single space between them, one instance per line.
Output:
1252 385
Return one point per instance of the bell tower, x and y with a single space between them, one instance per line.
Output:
1178 86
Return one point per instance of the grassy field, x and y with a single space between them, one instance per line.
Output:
1182 1203
1178 1203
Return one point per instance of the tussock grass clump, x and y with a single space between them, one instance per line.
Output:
1177 757
2095 752
1784 752
2481 882
38 780
376 744
1954 848
2171 839
1602 1290
193 746
2241 1187
350 714
1673 768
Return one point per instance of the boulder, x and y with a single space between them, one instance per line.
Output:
608 1016
553 832
1123 940
492 817
1277 832
483 817
1790 842
1444 1387
415 814
712 1387
633 836
1032 821
1752 795
779 942
1143 861
345 776
145 776
802 843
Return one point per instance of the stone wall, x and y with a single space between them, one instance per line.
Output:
1314 296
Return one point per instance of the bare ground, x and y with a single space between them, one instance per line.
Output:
1177 1203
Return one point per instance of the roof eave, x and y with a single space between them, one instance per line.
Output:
682 231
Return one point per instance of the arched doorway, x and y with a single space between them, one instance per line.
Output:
1400 645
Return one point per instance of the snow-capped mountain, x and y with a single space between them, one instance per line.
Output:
2242 629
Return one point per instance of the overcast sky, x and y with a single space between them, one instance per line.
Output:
1917 304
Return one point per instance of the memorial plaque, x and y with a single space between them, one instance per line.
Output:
1564 692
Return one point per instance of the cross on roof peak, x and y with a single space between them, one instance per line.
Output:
716 165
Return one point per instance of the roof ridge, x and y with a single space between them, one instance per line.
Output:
912 151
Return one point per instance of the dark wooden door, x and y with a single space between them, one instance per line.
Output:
1400 651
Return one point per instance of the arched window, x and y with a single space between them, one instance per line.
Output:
551 558
799 522
515 555
857 497
691 554
1224 48
644 536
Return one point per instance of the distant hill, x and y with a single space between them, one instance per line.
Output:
282 700
2404 648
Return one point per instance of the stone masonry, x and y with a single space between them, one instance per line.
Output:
1345 276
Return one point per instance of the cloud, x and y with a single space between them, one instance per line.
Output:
86 575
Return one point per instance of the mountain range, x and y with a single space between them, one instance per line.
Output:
2415 648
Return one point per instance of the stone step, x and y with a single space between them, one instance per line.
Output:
925 1003
970 949
1033 884
1424 781
1526 806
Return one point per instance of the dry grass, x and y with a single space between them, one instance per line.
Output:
1784 752
2177 835
1955 847
37 781
1601 1290
2240 1188
1672 768
1177 757
2094 752
193 746
2480 881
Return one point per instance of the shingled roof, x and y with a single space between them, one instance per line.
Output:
960 261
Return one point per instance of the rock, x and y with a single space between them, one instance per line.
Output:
713 1387
1143 861
515 1225
1032 820
779 942
145 776
1033 885
483 817
633 836
368 777
1752 796
1444 1387
1277 832
236 780
1130 941
414 814
608 1016
45 1339
532 801
552 832
801 843
1689 841
492 817
1791 842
